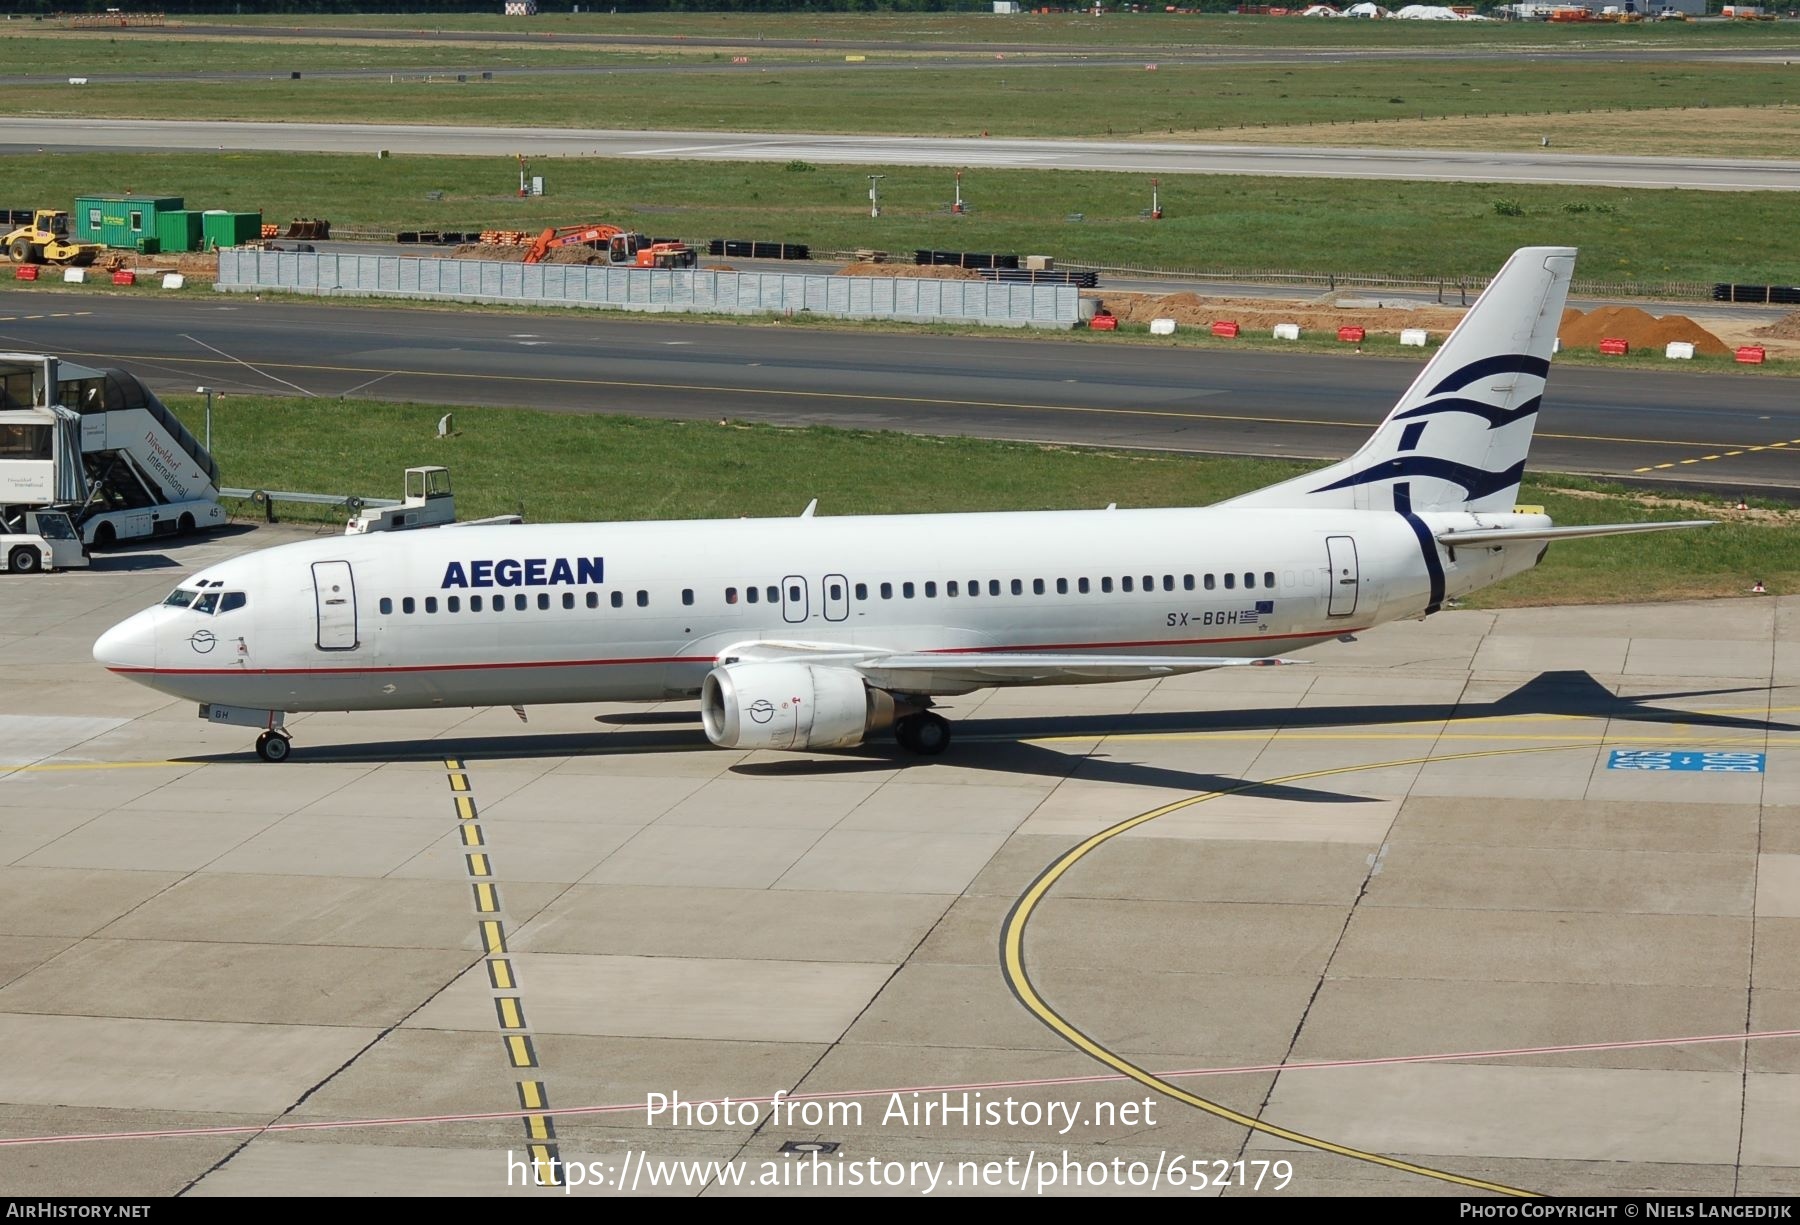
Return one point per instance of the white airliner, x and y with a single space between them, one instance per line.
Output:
809 633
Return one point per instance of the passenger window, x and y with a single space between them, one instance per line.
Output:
519 603
618 599
687 595
593 600
1125 583
834 592
406 605
887 591
499 604
731 595
643 599
1268 578
931 591
1187 582
752 594
1209 582
387 605
1081 585
568 599
430 603
1230 582
974 587
793 594
1018 588
543 601
775 594
1037 586
453 603
231 601
474 603
1062 586
906 590
1168 582
1149 582
862 591
950 588
1249 581
1106 586
993 586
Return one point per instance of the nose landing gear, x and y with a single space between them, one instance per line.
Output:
274 745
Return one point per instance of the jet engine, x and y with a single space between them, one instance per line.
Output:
791 706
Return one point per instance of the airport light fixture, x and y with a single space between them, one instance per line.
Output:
208 393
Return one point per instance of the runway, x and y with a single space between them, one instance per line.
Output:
1396 922
1541 166
1739 432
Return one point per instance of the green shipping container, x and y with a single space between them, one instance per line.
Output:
149 245
223 229
121 220
180 230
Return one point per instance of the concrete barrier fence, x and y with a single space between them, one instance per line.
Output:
649 289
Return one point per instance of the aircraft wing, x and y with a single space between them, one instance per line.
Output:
929 672
943 672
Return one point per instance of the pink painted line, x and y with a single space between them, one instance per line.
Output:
851 1094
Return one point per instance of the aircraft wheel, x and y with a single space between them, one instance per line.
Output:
274 746
926 734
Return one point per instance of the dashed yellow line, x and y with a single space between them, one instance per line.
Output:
509 1005
1746 450
1017 974
493 936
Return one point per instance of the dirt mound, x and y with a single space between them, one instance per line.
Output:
500 252
1640 329
1787 328
1260 315
922 272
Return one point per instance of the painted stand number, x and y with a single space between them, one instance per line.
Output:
1685 759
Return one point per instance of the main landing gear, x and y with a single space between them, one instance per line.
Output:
274 745
925 733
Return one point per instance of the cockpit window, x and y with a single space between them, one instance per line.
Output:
232 600
180 598
207 604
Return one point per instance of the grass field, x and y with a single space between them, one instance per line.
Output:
1004 102
1065 29
625 468
78 52
1307 225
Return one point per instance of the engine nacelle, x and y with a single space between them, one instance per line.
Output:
791 706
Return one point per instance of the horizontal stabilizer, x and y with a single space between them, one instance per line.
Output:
1455 540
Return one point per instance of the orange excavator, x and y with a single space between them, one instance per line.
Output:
619 246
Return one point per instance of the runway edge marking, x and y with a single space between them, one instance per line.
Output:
503 979
1018 978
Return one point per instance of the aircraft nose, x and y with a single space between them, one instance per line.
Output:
130 645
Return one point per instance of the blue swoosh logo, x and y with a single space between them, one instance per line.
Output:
1500 363
1495 417
1476 481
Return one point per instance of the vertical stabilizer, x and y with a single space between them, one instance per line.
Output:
1458 438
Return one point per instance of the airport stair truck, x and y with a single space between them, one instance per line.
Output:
144 474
